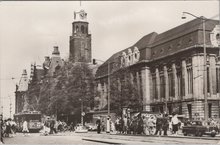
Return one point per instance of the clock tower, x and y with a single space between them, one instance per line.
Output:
80 41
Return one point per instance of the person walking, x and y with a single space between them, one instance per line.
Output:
165 124
125 125
158 126
175 122
52 127
98 123
25 128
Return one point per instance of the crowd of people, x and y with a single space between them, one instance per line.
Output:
148 125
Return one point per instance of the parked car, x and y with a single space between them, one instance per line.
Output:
196 128
80 129
91 126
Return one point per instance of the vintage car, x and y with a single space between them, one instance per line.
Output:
91 126
80 129
196 128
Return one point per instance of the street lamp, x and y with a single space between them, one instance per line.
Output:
205 63
82 113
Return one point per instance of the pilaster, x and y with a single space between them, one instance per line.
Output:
158 83
175 80
166 82
212 74
195 70
145 75
185 78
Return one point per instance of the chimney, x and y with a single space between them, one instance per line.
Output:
56 51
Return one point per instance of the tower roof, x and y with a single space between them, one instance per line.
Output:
23 83
80 15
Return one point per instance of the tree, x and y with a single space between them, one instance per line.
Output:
70 84
124 92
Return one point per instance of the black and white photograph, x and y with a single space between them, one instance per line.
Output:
110 72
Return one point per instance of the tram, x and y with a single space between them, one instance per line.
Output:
33 119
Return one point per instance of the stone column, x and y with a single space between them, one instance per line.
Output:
200 75
212 74
195 70
166 81
158 83
138 82
175 80
185 78
145 76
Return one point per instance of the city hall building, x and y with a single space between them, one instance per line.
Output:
168 69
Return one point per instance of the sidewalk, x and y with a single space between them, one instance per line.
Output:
109 135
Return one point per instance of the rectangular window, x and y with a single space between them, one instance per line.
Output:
190 80
179 83
171 84
162 87
210 110
189 107
208 83
154 87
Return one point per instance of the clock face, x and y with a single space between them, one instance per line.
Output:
82 15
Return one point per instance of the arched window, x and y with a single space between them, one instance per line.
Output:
82 29
77 28
86 30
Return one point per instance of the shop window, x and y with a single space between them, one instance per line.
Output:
210 110
189 107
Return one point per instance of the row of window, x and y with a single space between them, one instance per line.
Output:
81 29
159 87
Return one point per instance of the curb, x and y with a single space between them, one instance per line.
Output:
100 141
188 137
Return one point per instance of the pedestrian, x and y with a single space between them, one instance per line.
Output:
158 125
25 128
125 125
165 124
129 126
140 129
52 127
175 123
98 123
117 125
8 128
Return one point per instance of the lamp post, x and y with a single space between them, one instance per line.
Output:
82 113
205 63
108 95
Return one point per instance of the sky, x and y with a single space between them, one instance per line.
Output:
29 30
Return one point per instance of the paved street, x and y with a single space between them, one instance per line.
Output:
93 138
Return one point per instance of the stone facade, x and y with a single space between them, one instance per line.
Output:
169 69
